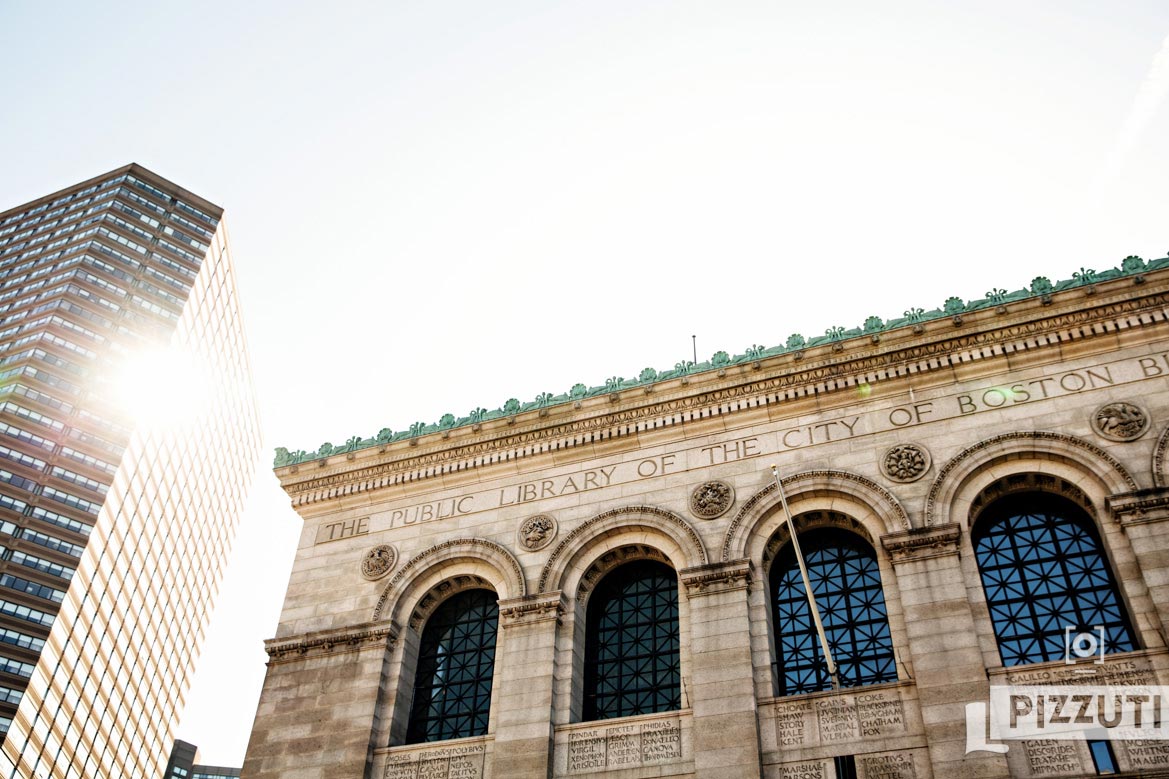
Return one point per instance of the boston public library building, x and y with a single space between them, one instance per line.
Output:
603 582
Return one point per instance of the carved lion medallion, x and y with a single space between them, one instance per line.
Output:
906 462
378 561
536 532
1120 421
711 499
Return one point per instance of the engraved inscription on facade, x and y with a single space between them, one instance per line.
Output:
898 765
879 714
1053 757
586 751
792 723
625 746
810 770
837 720
1124 672
1146 753
661 741
439 763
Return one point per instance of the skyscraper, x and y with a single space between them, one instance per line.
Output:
128 436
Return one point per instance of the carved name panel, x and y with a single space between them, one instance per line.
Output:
1053 757
840 719
625 746
1137 671
1143 753
894 765
439 763
837 720
816 769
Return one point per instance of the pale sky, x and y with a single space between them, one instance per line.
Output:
438 206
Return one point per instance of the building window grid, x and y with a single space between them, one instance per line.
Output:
846 581
456 662
1044 574
632 659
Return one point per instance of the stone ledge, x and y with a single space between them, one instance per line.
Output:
531 609
717 577
1140 507
922 543
352 638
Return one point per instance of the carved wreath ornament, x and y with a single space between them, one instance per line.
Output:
536 532
1120 421
711 499
378 562
906 462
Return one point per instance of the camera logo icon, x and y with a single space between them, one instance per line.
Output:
1080 645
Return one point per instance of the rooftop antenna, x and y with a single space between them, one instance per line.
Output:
694 343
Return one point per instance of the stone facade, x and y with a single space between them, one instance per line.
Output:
899 439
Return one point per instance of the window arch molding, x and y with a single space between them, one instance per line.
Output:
1161 460
476 556
663 530
973 469
860 497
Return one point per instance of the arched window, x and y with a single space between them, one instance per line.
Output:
631 646
847 586
456 659
1045 578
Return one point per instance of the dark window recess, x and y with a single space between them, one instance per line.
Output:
631 649
1044 575
456 660
847 586
845 766
1103 757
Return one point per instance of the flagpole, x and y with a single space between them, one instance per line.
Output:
791 527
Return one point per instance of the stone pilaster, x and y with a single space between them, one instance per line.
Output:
523 720
1144 517
319 707
722 688
947 664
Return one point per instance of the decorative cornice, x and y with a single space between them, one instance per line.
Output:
995 299
531 609
675 404
715 578
922 543
488 550
1140 507
352 638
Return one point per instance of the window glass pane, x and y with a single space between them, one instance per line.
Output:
631 653
847 586
1044 576
456 660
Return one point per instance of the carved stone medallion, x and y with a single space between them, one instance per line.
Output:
906 462
378 561
711 499
536 532
1120 421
